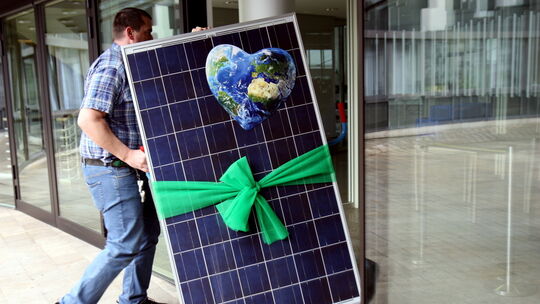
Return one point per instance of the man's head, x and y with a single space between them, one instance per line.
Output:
132 25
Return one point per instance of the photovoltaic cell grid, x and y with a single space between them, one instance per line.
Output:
190 137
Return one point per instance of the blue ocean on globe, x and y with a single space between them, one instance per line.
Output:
250 87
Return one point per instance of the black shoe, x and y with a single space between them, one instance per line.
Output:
150 301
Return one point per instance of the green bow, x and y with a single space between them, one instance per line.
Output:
238 192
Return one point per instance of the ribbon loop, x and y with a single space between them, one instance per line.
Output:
238 192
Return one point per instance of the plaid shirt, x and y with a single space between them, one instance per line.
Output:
106 89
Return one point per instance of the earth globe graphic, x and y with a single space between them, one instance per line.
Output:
250 87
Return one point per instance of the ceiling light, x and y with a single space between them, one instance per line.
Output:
22 21
331 9
231 2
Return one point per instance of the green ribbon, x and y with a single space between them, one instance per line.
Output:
238 192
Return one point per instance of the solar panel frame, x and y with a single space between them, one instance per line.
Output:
209 214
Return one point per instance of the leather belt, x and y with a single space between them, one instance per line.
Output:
98 162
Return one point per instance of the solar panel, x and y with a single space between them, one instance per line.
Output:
189 136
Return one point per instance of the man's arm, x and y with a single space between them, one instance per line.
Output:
93 123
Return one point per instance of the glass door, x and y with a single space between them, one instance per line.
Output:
6 179
66 39
21 46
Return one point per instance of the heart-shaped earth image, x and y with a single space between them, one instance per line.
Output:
250 87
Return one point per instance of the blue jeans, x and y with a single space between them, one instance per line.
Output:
132 235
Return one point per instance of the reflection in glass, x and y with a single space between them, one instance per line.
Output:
67 46
27 113
450 196
6 178
165 19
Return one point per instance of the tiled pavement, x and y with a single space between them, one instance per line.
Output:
39 263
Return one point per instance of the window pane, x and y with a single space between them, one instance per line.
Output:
67 45
27 113
452 163
6 178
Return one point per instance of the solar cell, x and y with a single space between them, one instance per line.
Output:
189 136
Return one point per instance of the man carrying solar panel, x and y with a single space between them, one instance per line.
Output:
114 168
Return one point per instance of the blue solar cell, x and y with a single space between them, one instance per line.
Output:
220 257
303 237
343 286
192 265
197 291
251 137
247 257
178 219
172 59
307 142
197 51
292 35
300 71
304 119
222 161
254 279
282 272
185 115
278 126
233 39
288 295
185 235
330 230
290 190
151 94
146 65
212 229
178 87
173 172
211 111
281 151
323 202
257 156
282 34
309 265
316 291
265 298
226 286
167 152
336 258
199 81
296 209
220 137
160 121
192 143
190 136
277 250
199 169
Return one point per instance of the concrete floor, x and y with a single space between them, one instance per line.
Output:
39 263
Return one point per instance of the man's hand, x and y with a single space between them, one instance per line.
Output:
198 29
136 159
93 123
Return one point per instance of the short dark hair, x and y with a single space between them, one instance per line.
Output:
129 16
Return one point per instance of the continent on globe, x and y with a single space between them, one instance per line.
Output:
250 87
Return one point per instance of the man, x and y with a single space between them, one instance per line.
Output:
112 167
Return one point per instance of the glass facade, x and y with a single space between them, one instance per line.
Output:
21 45
451 156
